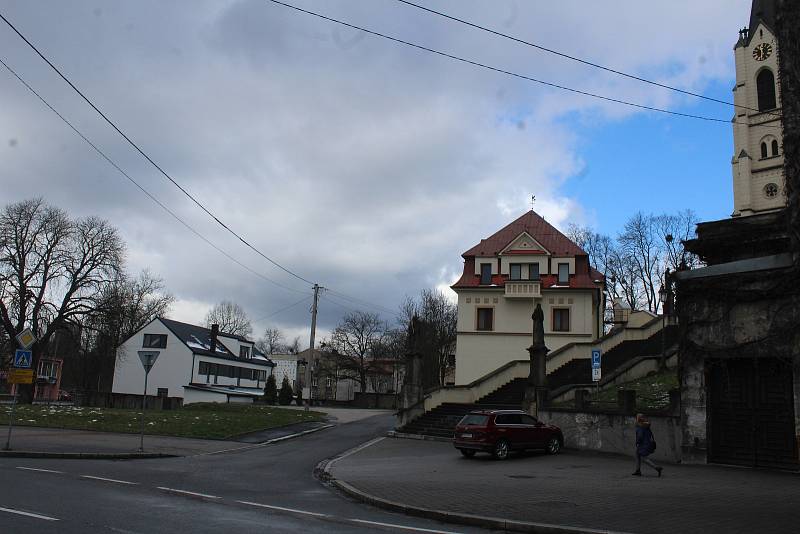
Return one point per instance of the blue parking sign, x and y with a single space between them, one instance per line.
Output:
596 354
22 358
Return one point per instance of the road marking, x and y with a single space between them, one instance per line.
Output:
184 492
41 470
29 514
402 527
282 509
268 442
110 480
361 447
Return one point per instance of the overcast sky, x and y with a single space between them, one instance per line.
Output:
358 163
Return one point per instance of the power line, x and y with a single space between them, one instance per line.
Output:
358 301
497 69
148 158
138 185
282 309
579 60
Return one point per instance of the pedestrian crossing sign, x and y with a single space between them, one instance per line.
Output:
22 358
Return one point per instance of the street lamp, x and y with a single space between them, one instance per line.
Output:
664 293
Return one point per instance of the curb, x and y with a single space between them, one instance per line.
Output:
323 473
86 455
421 437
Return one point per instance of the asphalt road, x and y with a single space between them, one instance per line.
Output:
264 489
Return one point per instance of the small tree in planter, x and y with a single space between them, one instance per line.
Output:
285 394
270 390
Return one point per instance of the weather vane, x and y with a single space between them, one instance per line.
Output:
533 199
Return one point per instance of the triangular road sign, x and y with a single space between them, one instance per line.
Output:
148 358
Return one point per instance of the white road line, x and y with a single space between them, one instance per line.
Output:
353 451
184 492
282 509
29 514
41 470
110 480
402 527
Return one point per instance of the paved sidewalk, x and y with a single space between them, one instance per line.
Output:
576 489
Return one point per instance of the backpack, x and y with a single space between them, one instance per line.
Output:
652 442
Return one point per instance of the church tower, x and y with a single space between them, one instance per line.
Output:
758 179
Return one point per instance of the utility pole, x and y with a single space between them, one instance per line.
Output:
311 345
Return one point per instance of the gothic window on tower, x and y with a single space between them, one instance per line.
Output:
764 154
765 87
770 190
774 147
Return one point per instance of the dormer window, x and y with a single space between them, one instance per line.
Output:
516 271
244 352
563 273
486 274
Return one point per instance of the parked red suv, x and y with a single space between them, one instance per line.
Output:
500 431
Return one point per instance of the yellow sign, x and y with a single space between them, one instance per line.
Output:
26 338
20 376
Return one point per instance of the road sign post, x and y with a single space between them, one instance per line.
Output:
597 356
148 358
11 422
20 373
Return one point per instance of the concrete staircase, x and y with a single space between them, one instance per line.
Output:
441 421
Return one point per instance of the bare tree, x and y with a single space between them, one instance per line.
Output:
440 315
120 310
294 346
673 231
640 242
354 339
231 319
52 269
272 342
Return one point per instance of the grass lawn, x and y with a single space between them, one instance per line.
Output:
200 420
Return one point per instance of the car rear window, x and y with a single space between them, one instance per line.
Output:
474 419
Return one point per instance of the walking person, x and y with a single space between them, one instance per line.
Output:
645 445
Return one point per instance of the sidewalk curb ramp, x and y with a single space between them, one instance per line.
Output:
86 455
322 472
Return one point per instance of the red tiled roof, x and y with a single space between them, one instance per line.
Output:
542 231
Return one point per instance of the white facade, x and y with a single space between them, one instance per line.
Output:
285 365
757 163
186 362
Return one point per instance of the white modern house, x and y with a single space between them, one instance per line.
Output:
285 365
505 275
194 363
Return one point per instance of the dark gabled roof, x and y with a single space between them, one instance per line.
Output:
531 222
198 340
763 11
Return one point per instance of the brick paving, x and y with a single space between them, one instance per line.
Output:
578 489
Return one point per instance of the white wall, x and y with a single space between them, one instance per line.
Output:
171 370
191 395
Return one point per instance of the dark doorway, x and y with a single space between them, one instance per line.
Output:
751 412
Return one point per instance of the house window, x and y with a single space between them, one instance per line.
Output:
486 274
155 341
561 320
774 147
485 318
203 368
765 87
329 382
764 150
563 273
162 392
516 271
244 352
533 271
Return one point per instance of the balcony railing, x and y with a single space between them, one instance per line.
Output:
523 289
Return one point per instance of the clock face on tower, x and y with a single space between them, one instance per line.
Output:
762 51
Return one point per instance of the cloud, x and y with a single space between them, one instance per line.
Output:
358 163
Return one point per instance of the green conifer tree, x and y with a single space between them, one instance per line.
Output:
285 394
270 390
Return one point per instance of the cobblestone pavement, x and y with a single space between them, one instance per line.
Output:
577 489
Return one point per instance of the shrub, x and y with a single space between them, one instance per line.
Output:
270 390
285 394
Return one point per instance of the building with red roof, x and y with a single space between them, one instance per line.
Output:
527 261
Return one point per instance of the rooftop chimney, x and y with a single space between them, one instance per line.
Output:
214 336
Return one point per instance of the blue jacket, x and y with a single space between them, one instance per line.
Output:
644 440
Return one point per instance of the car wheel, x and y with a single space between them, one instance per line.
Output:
501 449
467 453
553 446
